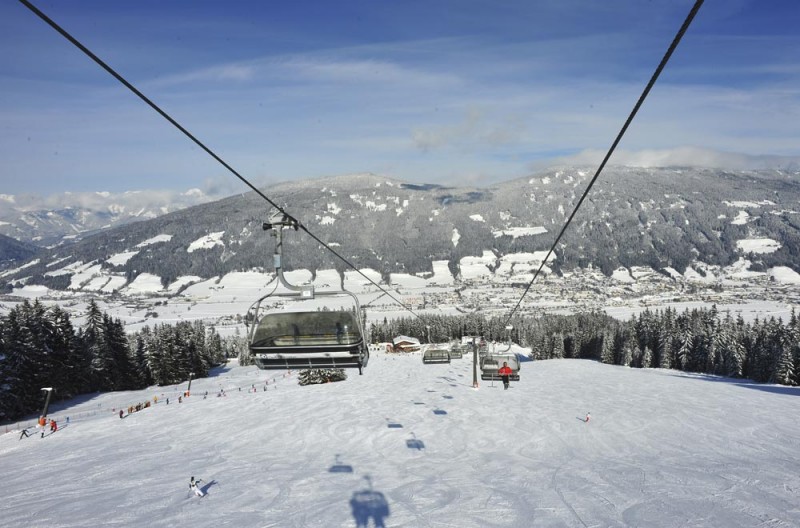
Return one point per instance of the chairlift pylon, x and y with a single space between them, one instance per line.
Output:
280 340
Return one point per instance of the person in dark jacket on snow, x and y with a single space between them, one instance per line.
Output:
505 371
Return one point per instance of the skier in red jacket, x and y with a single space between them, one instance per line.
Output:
505 371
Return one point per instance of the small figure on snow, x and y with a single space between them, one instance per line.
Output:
193 486
120 414
588 417
53 426
24 433
505 372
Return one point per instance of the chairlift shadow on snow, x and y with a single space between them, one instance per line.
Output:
440 412
369 504
339 467
415 443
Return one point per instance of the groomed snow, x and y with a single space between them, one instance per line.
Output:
20 268
407 281
516 232
155 240
415 445
741 218
206 242
144 283
622 275
442 276
515 264
456 237
356 283
120 259
84 274
758 245
784 275
475 267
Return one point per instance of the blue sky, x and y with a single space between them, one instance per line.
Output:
466 92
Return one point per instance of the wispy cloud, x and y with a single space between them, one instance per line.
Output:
239 72
476 128
685 156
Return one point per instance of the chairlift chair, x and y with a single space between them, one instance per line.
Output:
457 352
436 355
305 339
491 363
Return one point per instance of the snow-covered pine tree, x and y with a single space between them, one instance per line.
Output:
647 357
607 348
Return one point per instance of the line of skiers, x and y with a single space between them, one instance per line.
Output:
136 408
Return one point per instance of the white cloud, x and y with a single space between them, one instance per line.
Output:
679 156
475 127
239 72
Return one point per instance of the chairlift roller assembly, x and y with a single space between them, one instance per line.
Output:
281 340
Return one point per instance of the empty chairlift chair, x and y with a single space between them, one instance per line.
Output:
286 340
436 355
456 352
280 340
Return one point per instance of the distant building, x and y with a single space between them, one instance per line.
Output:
405 344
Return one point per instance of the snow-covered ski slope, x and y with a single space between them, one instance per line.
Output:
415 445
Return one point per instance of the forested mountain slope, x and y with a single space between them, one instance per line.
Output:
667 217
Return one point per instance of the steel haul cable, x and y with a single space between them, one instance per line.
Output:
621 133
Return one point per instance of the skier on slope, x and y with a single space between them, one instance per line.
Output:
505 371
193 486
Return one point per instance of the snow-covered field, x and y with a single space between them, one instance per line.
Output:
415 445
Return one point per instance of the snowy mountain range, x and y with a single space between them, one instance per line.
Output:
58 218
667 219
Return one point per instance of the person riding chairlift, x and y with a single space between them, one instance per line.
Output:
504 372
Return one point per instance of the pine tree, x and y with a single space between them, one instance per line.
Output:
607 350
684 351
647 357
664 350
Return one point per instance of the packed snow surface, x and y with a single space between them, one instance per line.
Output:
415 445
120 259
206 242
758 245
515 232
155 240
784 275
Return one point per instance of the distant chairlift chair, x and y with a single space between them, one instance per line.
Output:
436 355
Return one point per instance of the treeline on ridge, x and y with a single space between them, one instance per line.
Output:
698 340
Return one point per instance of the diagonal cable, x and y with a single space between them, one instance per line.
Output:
200 144
622 131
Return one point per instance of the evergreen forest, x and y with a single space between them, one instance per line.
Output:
40 347
699 340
